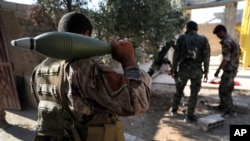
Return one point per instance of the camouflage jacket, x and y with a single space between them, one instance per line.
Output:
192 46
230 52
94 87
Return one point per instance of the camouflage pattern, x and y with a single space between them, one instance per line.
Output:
231 53
190 67
226 88
200 46
94 87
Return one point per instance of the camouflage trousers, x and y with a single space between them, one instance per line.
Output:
194 75
2 111
226 88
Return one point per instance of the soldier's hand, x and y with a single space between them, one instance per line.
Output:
123 52
216 74
175 74
205 78
151 71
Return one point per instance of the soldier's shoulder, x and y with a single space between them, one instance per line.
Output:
229 39
202 36
181 37
85 62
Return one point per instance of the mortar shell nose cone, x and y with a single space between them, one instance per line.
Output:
13 42
27 43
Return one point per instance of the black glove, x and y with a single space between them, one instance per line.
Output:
151 71
175 74
216 74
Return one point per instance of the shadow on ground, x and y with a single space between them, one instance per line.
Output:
158 125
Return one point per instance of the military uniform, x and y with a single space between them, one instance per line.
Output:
230 53
191 52
96 95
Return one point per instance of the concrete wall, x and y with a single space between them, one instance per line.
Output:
207 30
17 25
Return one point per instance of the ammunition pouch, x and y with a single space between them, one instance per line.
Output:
52 119
106 132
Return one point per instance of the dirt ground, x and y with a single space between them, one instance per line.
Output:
154 125
158 125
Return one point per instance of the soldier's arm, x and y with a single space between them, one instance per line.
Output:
124 94
226 53
206 55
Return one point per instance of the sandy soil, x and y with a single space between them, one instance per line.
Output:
158 125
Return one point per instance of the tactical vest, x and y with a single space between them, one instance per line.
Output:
54 116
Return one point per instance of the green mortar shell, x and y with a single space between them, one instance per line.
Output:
64 45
